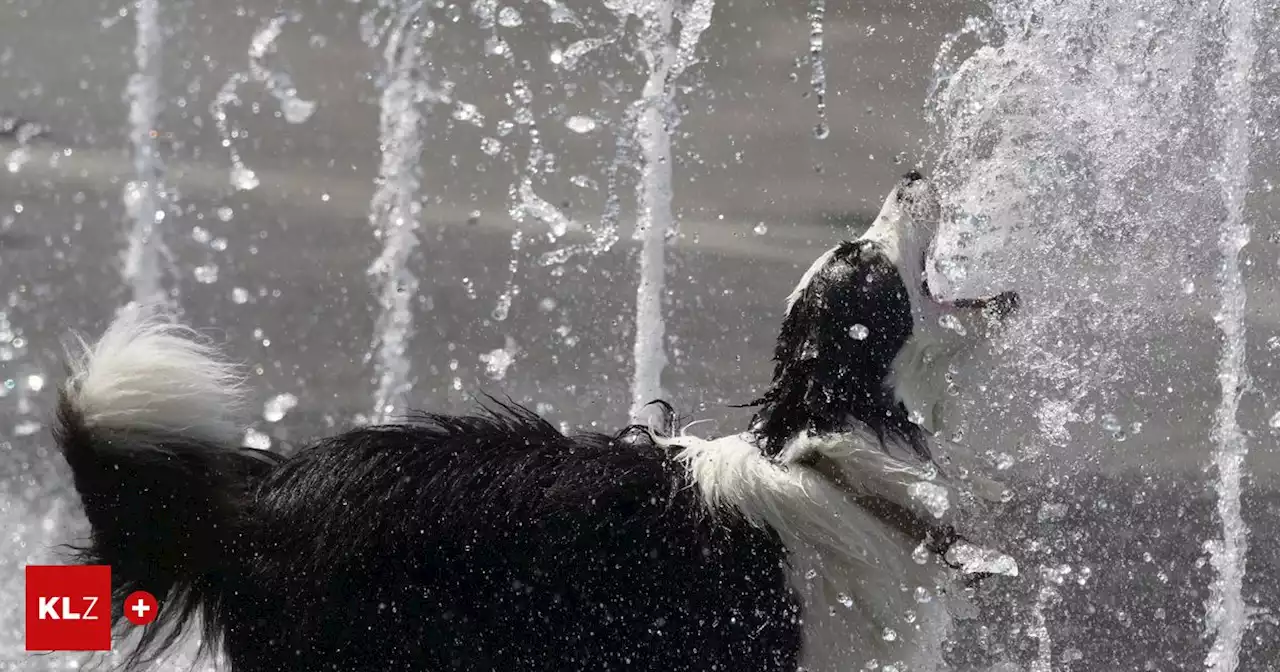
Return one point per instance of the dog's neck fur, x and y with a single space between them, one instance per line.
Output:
841 551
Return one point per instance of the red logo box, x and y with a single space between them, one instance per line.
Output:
69 608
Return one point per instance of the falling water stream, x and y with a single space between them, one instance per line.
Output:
818 64
145 254
395 209
1228 615
666 56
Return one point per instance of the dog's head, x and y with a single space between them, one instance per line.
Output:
907 224
846 322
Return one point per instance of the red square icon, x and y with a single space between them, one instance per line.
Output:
69 608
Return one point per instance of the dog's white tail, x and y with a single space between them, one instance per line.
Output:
150 373
147 423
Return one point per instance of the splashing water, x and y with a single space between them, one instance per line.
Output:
278 83
1081 136
655 114
395 207
1227 614
143 269
1037 170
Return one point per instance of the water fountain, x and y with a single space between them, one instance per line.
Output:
1090 141
1118 143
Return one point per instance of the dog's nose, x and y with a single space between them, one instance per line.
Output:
913 176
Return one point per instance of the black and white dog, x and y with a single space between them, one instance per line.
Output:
494 542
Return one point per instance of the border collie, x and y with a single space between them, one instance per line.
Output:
494 542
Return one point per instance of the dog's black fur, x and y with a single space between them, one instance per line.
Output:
488 542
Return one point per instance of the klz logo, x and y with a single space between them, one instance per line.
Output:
69 608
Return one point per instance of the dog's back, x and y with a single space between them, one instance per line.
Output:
496 543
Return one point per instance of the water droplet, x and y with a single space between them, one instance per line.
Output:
207 274
761 229
1275 421
256 440
580 124
240 295
845 600
244 179
920 555
35 382
889 635
821 131
1051 512
497 361
16 159
491 146
934 497
276 407
1188 286
952 323
469 113
297 110
225 213
922 595
859 332
1111 424
26 428
509 17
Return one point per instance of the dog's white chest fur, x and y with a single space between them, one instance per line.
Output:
919 371
865 596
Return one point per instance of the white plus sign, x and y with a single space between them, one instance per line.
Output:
140 608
